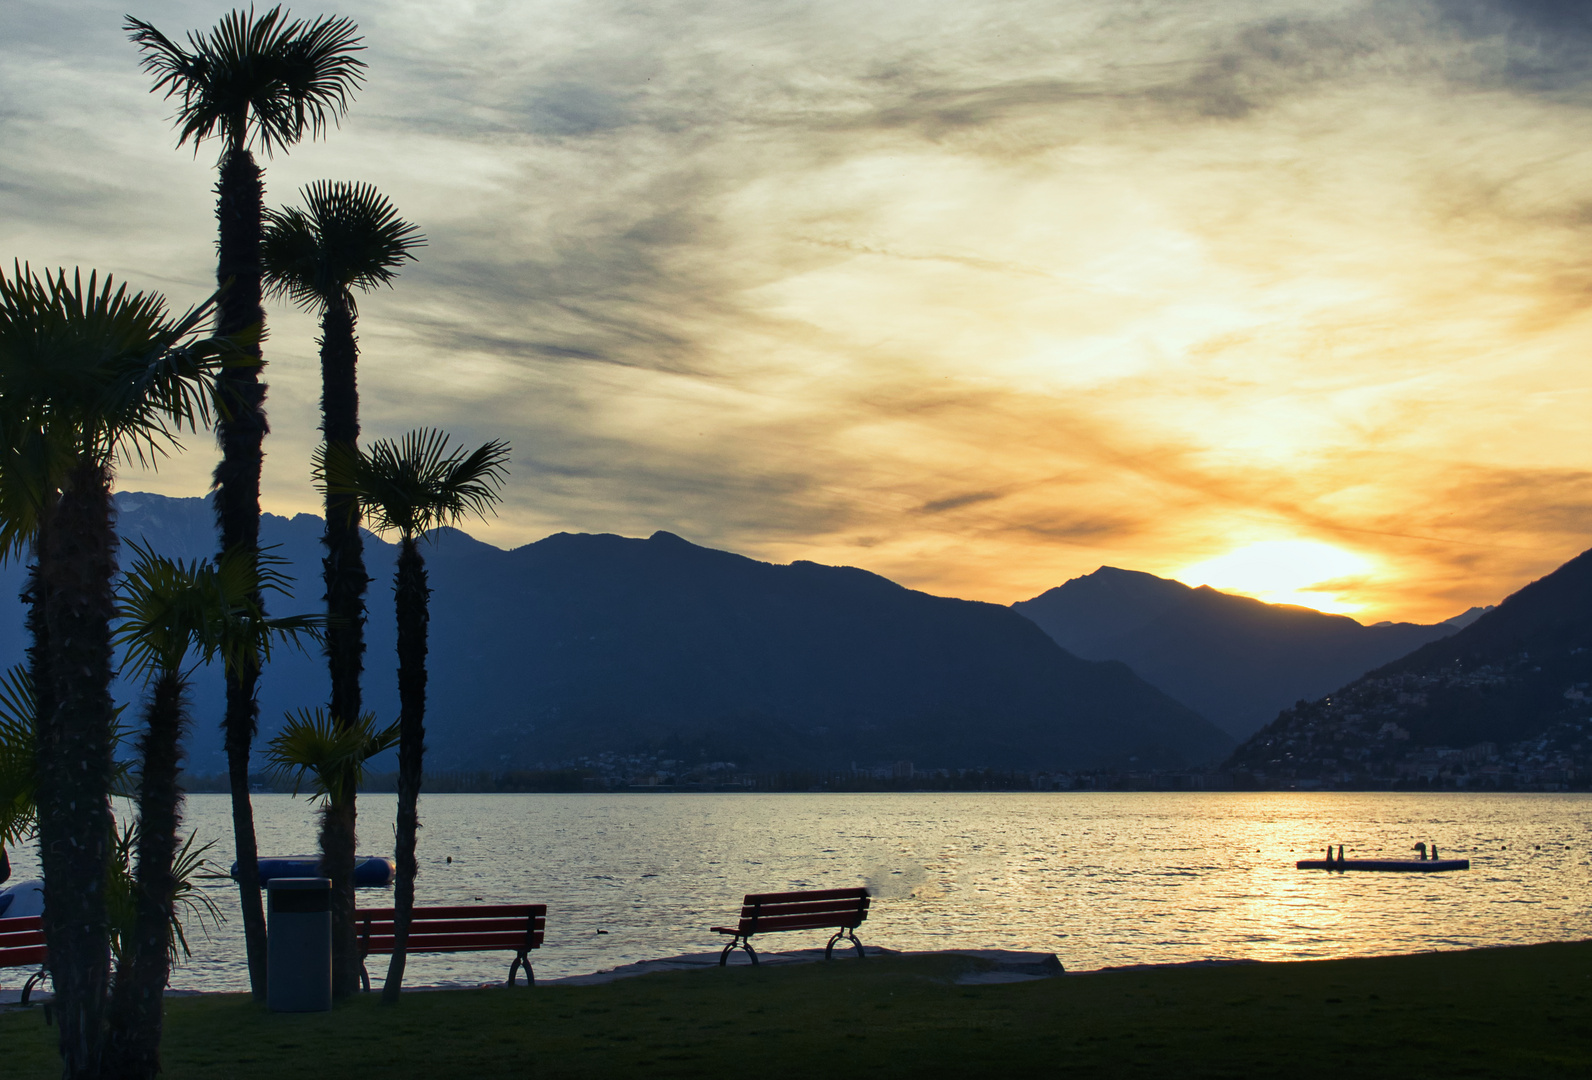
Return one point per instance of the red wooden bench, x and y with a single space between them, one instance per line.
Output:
474 928
812 909
22 945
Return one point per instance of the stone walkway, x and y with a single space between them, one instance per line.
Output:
1004 966
11 998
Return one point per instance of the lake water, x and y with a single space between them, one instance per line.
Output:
1099 879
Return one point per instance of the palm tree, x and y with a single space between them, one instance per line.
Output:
412 486
332 755
267 81
347 237
87 375
172 609
333 752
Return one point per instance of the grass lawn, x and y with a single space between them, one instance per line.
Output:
1523 1012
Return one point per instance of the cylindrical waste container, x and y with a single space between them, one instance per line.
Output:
298 975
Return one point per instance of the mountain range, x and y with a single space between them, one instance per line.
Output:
582 645
1235 660
1506 701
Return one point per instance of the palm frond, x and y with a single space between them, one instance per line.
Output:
165 604
255 80
313 745
18 785
190 900
347 237
170 607
246 636
418 482
121 891
31 464
91 371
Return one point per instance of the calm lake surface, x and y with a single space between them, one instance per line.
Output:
1099 879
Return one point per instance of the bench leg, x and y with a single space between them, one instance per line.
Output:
737 942
525 960
36 980
364 977
842 935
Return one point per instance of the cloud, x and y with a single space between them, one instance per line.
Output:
955 502
1539 46
994 293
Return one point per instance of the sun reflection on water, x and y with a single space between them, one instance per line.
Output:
1099 879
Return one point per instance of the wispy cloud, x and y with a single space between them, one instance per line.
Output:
977 295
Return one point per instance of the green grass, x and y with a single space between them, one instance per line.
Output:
1523 1012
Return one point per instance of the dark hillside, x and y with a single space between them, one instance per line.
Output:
1506 695
582 645
619 641
1233 659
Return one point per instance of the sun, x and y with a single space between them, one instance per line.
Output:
1304 572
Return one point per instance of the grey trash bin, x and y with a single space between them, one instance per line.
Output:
298 976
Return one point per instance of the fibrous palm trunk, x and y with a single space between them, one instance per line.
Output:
345 630
39 631
241 432
136 1008
77 561
412 596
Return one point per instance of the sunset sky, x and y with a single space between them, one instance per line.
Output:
976 295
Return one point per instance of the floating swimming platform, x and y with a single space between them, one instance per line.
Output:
370 871
1386 866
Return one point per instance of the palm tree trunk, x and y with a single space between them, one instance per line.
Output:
413 595
77 561
136 1008
38 630
241 432
345 550
345 630
338 832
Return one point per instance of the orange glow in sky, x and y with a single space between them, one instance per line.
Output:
1292 297
1304 572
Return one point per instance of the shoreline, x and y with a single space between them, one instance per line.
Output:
994 967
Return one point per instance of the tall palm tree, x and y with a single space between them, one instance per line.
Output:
173 610
252 81
413 485
87 375
346 238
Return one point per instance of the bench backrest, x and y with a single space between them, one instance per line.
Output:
22 941
473 928
812 909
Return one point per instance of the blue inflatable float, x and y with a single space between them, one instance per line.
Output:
22 899
370 871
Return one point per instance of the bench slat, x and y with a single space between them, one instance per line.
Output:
821 906
798 922
477 911
16 941
26 954
387 950
800 897
454 926
22 922
456 942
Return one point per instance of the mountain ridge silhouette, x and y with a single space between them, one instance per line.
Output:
580 644
1235 660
